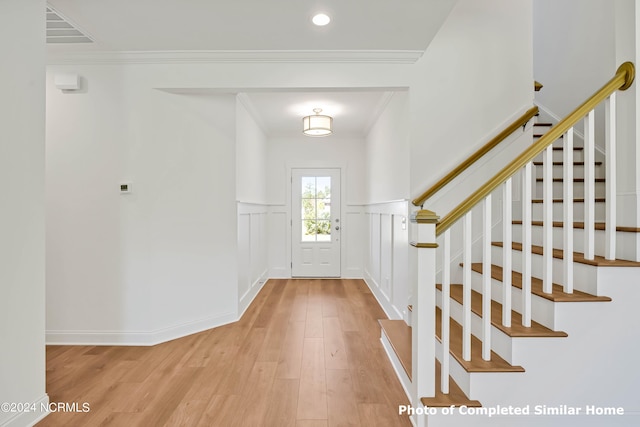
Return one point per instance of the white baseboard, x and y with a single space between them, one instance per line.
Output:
135 338
249 296
352 273
280 273
29 418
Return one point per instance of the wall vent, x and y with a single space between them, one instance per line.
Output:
61 31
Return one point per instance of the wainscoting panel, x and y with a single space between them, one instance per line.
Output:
278 236
387 265
386 255
354 241
252 252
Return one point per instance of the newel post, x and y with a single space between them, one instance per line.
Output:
423 320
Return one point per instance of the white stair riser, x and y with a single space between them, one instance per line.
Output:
500 342
558 213
625 242
456 371
558 189
542 310
558 155
578 171
585 277
557 143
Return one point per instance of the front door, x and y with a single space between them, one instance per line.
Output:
315 221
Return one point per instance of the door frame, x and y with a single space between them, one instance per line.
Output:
289 177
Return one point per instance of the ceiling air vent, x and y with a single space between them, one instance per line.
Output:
60 30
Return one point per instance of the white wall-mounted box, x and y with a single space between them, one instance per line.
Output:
67 81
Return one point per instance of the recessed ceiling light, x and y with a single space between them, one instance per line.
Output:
321 19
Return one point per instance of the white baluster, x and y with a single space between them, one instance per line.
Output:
526 246
610 148
466 287
446 311
567 194
589 185
486 279
547 219
507 240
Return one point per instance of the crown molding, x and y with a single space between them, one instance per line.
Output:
234 56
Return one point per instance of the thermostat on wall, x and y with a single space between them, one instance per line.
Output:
125 188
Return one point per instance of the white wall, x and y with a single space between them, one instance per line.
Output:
388 152
574 55
574 50
251 155
159 262
474 77
22 251
302 151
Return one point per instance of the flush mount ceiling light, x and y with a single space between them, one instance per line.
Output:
321 19
317 125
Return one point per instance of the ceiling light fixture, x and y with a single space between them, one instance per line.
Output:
317 125
321 19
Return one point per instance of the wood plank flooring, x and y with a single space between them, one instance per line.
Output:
306 353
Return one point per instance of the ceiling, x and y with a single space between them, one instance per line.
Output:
152 25
258 26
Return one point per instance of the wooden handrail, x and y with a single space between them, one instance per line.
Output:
519 122
621 81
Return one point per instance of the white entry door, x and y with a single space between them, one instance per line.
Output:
315 222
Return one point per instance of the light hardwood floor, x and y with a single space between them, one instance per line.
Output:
305 354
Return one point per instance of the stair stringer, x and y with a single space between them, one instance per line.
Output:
595 365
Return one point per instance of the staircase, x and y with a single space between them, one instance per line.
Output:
539 331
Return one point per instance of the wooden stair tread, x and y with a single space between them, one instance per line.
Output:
578 257
576 200
557 293
476 364
399 335
456 396
598 226
562 163
516 329
574 180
